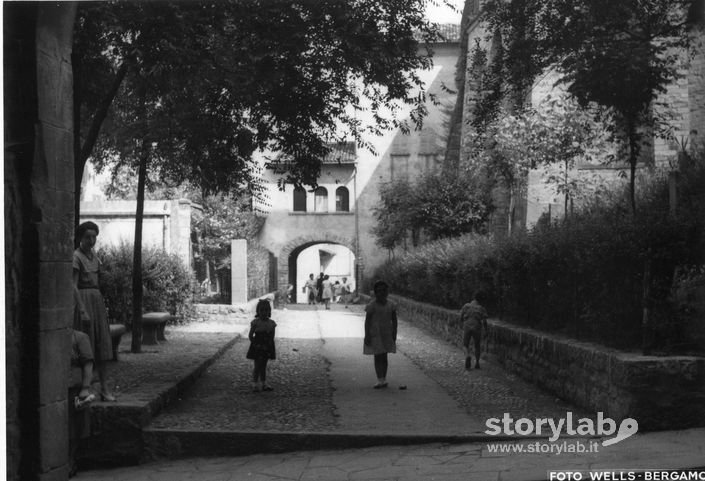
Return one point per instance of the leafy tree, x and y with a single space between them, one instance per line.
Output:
556 134
394 215
435 206
224 218
200 86
449 206
619 55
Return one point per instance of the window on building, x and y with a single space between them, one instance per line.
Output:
342 199
321 196
399 167
299 199
428 162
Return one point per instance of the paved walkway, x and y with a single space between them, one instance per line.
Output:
323 383
421 406
439 462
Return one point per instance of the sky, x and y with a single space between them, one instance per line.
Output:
443 14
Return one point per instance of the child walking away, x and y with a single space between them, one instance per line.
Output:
473 316
380 331
261 345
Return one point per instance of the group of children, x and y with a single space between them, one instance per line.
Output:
324 291
380 334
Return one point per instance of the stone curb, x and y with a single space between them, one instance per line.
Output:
117 427
178 443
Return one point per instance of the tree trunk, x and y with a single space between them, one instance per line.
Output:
565 194
646 332
81 153
136 346
633 160
137 256
78 172
510 212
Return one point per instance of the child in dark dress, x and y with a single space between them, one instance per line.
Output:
380 331
261 345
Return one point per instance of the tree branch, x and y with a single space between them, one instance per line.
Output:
101 113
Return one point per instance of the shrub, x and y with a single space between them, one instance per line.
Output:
168 284
590 277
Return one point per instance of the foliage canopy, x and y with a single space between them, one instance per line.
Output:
221 79
435 206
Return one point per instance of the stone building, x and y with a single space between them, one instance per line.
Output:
166 224
332 226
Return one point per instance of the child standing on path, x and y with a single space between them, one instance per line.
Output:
380 331
261 345
473 316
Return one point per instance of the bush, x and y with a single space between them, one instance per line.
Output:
169 286
585 277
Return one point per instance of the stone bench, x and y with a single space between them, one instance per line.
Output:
116 332
153 325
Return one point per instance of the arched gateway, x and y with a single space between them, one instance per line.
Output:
287 257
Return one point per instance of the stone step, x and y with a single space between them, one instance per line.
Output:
175 443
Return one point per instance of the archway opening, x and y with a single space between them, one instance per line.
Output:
335 260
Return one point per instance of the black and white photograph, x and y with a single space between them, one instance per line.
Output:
354 240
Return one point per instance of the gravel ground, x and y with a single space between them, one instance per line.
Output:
138 377
223 399
486 392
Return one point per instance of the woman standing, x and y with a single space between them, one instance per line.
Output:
86 280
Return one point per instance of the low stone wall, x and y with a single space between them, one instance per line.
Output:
229 314
659 392
223 313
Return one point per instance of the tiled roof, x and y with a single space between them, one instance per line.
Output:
341 153
450 33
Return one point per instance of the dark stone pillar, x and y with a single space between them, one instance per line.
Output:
39 192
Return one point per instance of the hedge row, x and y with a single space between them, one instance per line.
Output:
589 277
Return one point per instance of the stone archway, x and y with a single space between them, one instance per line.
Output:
300 243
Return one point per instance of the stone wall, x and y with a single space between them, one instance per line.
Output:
39 199
224 313
166 224
229 314
259 271
696 76
659 392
